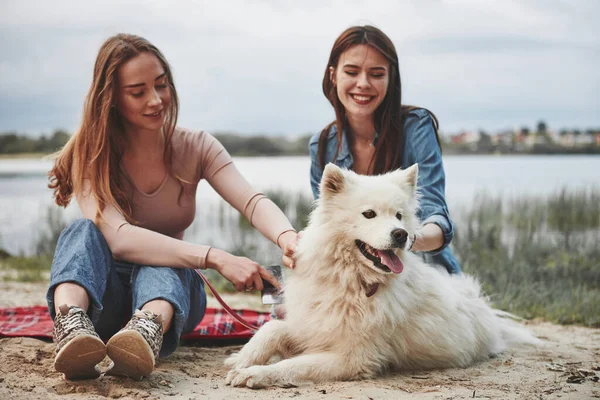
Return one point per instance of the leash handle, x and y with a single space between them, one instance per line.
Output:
229 310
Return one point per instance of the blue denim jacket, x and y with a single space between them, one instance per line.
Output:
420 147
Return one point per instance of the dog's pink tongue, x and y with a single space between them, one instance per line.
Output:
391 260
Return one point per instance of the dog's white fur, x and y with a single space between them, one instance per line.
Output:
422 318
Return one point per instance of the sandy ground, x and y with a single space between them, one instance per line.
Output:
567 367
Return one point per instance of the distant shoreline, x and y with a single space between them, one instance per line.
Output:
39 156
15 146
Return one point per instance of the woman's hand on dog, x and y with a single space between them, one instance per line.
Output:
289 241
242 272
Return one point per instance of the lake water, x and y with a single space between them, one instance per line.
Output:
25 199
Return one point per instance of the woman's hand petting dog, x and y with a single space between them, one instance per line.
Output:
289 244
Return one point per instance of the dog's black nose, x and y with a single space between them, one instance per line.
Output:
400 236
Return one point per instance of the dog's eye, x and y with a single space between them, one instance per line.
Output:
369 214
399 216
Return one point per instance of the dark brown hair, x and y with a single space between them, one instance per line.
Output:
390 115
95 150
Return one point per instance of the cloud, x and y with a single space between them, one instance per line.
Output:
257 66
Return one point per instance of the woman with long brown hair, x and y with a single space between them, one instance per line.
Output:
134 175
374 133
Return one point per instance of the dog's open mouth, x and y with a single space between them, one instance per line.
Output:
385 260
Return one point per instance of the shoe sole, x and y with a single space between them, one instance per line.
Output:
79 357
131 355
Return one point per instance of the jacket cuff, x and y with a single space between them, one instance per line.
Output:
447 231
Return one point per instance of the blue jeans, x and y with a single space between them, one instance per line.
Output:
117 289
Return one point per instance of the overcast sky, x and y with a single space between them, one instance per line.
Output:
256 66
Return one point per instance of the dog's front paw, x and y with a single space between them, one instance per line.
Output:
255 377
237 361
240 377
231 375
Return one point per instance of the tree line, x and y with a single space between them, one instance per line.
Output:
12 143
15 143
262 145
237 145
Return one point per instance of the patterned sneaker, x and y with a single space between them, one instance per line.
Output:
78 346
134 349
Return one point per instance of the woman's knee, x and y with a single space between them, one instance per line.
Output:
80 229
82 238
81 257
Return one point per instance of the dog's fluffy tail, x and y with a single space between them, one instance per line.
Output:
514 333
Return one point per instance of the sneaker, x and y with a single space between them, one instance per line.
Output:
78 346
134 349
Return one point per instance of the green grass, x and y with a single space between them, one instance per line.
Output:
35 268
536 257
25 269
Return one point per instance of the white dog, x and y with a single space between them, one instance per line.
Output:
358 304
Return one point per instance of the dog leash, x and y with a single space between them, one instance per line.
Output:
226 307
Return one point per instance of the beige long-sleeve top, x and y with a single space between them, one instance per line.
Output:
163 215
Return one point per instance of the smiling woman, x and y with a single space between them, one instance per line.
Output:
374 133
143 95
361 79
135 174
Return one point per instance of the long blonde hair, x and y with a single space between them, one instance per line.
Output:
94 152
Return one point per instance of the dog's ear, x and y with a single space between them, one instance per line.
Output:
411 175
332 181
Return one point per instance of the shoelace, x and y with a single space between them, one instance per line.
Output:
74 320
149 325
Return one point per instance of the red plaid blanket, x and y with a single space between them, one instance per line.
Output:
216 324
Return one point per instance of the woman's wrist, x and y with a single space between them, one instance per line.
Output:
213 258
413 240
428 237
285 238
